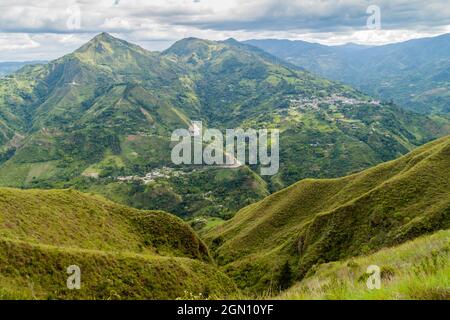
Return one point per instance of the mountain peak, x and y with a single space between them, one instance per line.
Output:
231 41
188 46
105 45
352 45
104 36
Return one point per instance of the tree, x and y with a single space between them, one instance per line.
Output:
286 277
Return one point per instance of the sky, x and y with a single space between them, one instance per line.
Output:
48 29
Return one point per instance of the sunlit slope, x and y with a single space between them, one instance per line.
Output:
122 252
316 221
417 269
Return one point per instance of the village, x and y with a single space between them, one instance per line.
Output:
313 103
164 172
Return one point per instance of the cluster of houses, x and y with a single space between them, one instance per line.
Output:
164 172
314 102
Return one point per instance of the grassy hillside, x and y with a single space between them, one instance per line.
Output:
417 269
316 221
122 252
35 271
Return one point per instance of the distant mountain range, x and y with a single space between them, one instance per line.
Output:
100 119
9 67
414 74
318 221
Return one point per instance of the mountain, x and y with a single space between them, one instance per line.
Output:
107 111
123 253
8 67
414 74
318 221
100 120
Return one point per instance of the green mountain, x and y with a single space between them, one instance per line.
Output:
414 74
100 119
123 253
318 221
105 111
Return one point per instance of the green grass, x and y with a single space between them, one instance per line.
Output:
317 221
417 269
124 252
204 224
35 271
213 222
127 253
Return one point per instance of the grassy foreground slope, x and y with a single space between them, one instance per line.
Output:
122 252
317 221
417 269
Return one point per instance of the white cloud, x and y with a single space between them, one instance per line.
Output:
42 27
24 47
12 42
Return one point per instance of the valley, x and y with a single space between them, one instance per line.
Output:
99 120
87 177
325 232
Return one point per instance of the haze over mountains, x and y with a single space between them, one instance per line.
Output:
414 74
105 112
12 66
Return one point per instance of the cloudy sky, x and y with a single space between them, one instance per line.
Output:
47 29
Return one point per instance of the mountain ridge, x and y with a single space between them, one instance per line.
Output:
107 111
317 221
122 253
406 72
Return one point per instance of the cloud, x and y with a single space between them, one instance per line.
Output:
17 42
157 23
25 47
